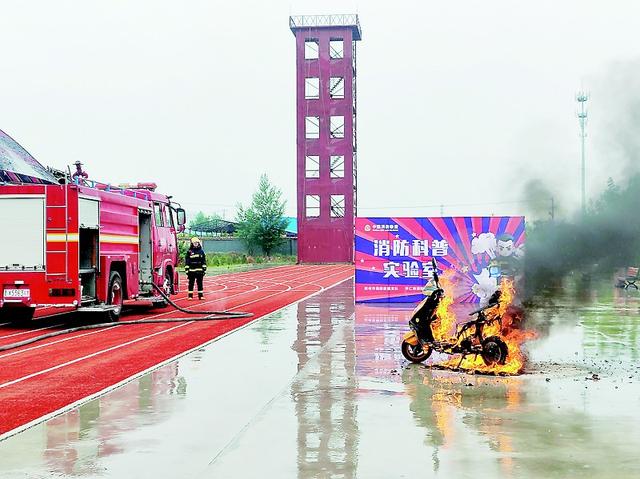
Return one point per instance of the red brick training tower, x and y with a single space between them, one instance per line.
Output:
326 136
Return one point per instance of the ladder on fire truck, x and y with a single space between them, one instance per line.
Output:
57 231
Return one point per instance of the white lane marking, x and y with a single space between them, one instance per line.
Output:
98 331
259 273
610 338
57 341
135 376
53 368
320 288
255 288
81 335
97 353
26 331
265 273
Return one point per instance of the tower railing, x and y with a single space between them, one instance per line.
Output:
319 21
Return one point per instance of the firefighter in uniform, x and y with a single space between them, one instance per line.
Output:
195 263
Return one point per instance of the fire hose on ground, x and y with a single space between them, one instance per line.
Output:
209 316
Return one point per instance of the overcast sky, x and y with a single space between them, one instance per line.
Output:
458 102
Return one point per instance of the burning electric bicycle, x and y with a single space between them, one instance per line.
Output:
419 343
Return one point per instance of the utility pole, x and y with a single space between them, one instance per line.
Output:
552 213
581 98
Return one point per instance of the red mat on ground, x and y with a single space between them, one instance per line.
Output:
44 377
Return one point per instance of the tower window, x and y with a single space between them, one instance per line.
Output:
312 166
312 88
337 206
336 127
311 49
336 87
312 206
336 48
336 167
312 127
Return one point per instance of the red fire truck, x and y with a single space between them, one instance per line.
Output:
84 246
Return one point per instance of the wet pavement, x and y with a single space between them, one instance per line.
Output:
320 389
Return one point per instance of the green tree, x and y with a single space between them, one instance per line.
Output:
262 223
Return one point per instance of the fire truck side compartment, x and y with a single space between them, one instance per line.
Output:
22 238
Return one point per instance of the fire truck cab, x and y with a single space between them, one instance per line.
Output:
84 246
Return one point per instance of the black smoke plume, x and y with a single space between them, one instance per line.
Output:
605 239
597 244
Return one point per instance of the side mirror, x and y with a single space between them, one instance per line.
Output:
181 228
181 216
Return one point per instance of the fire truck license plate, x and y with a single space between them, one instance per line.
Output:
17 293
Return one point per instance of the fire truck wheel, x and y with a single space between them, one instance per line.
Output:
115 296
167 285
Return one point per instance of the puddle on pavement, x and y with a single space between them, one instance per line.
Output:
320 389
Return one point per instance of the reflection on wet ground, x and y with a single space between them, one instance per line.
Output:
320 389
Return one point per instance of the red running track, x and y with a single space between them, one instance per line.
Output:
45 377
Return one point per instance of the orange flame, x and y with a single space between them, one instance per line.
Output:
444 326
508 330
507 293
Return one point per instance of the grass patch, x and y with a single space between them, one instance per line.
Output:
218 263
229 259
